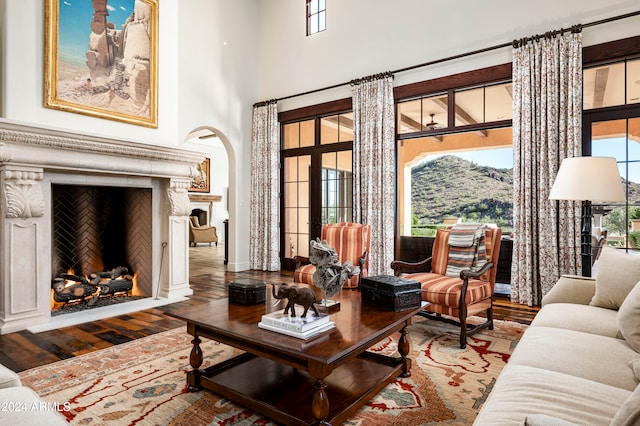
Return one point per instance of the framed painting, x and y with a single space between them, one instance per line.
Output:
200 183
101 59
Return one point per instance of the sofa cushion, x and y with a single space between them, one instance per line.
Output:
8 378
584 318
544 420
618 272
577 354
629 413
440 257
629 318
635 366
522 391
23 407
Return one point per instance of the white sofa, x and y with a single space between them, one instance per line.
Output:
579 361
20 405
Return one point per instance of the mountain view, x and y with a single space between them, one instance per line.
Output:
453 187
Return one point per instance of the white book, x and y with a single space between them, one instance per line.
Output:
300 335
297 323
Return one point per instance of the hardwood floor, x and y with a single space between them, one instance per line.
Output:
208 276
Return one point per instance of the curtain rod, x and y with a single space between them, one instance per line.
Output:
513 43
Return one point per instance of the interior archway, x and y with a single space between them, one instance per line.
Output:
218 201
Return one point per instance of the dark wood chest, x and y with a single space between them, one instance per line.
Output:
247 291
391 292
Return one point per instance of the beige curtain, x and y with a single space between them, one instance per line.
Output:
374 166
547 127
265 180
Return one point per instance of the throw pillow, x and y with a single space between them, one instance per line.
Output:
617 273
628 318
195 221
629 413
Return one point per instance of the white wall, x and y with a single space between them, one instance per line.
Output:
365 37
207 77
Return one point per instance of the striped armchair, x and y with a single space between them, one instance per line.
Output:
351 241
454 299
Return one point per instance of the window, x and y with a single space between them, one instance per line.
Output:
317 178
316 16
618 137
611 128
455 159
471 107
612 85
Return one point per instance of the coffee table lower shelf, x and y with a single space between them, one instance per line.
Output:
285 394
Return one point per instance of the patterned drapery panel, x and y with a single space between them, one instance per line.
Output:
374 166
265 180
547 127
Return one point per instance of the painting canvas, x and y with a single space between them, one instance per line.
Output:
200 183
101 59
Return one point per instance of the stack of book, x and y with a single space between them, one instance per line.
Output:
302 328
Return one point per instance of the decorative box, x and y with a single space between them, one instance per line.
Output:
390 292
247 291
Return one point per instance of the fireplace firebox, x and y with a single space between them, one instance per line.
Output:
101 244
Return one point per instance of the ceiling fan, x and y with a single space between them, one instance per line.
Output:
432 124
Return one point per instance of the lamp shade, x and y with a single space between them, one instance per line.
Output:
588 179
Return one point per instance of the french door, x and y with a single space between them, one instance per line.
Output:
317 184
616 133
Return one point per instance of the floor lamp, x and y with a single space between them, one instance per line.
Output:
588 179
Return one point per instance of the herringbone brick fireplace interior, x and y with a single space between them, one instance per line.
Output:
98 229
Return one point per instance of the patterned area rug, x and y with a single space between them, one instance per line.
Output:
133 384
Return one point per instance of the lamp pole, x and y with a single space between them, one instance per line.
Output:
585 238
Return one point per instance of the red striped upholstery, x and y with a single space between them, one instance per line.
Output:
351 241
440 253
442 290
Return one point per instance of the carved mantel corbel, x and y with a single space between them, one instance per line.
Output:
179 197
23 193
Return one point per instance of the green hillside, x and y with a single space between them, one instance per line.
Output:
452 187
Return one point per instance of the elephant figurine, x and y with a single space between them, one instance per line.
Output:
302 296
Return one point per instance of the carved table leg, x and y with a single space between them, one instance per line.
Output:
404 347
195 359
320 405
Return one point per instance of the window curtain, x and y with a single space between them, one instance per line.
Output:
547 127
374 166
265 180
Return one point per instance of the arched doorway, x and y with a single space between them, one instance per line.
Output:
214 198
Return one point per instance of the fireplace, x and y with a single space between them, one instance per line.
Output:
101 245
88 204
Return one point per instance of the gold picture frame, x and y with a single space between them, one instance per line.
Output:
94 68
201 183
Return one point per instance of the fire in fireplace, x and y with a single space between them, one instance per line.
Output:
101 245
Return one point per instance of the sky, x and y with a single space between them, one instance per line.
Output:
502 158
75 25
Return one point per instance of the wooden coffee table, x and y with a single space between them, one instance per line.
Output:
296 382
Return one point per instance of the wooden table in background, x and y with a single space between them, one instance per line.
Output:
292 381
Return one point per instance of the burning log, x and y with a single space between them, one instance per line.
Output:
116 286
113 274
64 293
69 287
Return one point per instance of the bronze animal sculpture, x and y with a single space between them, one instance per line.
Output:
329 275
302 296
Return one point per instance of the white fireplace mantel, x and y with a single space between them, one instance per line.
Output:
32 159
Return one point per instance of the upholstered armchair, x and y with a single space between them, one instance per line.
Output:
352 243
455 298
201 234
